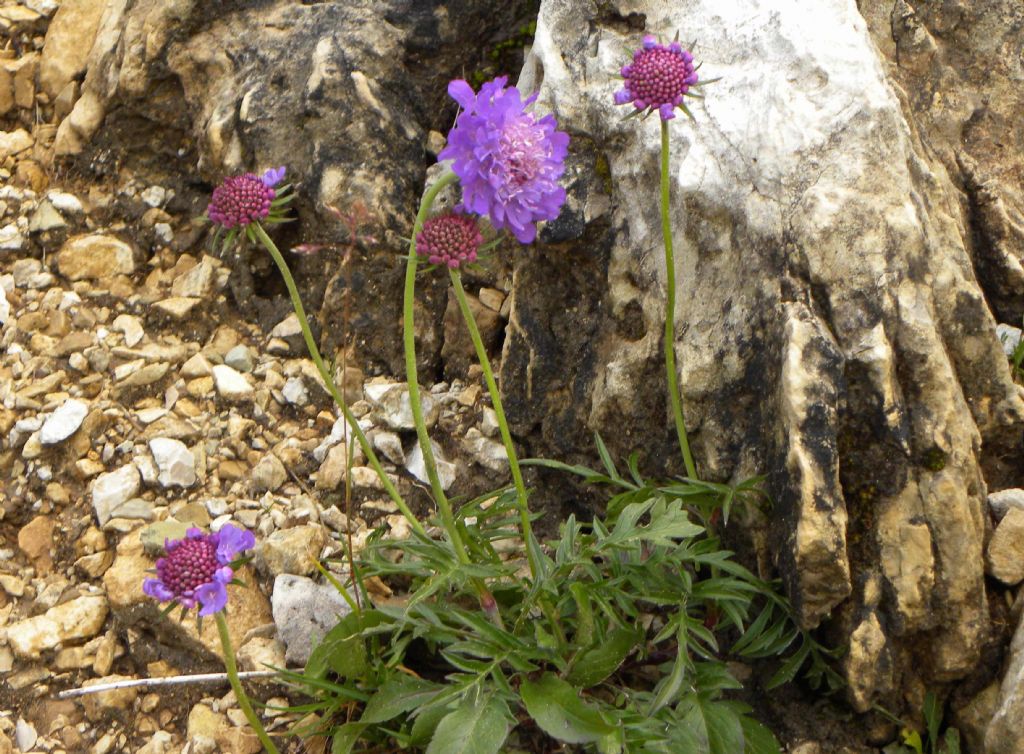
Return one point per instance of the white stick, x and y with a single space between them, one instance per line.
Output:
168 681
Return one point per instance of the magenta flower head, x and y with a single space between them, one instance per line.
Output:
450 239
240 200
198 568
507 160
659 78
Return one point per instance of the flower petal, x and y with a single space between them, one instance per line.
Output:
213 596
232 541
273 176
462 92
156 589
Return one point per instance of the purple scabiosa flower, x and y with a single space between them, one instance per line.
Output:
197 569
659 78
507 160
450 239
242 199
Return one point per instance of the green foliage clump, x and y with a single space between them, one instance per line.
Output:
620 644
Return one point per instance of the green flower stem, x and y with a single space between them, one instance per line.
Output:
328 379
670 313
409 341
487 601
506 436
236 685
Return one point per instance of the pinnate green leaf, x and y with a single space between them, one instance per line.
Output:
556 707
480 727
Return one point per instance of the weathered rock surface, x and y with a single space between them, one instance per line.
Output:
1006 549
95 257
80 618
831 330
1004 732
68 41
304 611
350 120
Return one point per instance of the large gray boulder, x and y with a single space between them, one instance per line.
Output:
832 333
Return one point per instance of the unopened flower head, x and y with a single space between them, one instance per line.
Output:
197 569
659 77
450 239
508 161
244 199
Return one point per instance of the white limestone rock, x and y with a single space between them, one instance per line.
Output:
1003 501
231 384
392 405
63 422
304 612
446 470
175 461
114 488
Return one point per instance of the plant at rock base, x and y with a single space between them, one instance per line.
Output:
507 162
242 205
197 570
620 637
660 78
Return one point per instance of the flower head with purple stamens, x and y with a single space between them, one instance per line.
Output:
659 77
197 569
240 200
507 160
450 239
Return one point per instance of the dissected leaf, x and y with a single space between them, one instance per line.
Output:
478 728
402 693
425 723
558 711
597 663
715 725
758 739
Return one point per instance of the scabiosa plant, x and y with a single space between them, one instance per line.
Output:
197 570
243 204
451 239
507 160
659 77
244 199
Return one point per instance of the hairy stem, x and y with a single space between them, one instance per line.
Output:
487 601
236 685
415 399
506 436
328 379
670 311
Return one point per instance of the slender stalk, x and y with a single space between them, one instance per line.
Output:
506 436
487 601
328 379
236 685
409 341
670 311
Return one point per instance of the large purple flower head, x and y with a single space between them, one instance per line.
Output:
197 569
507 160
450 239
659 78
